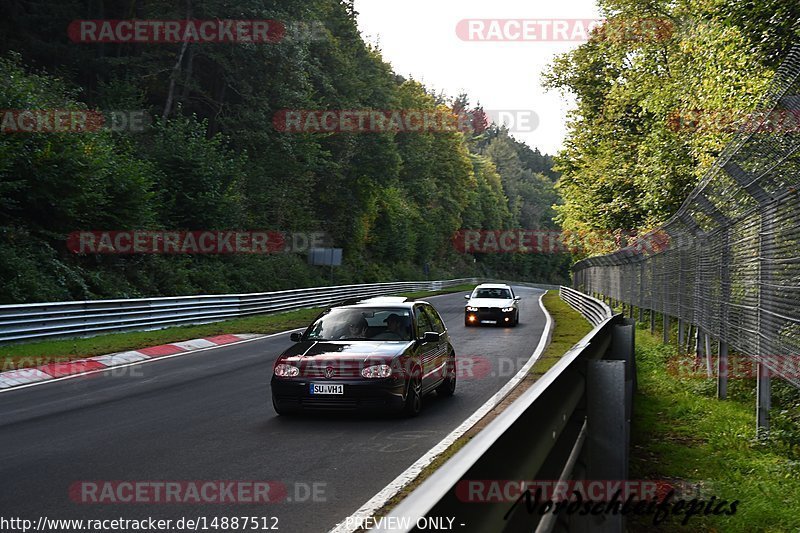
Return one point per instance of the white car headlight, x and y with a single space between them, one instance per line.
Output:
472 309
377 371
286 371
508 309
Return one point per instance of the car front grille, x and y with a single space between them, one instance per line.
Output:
341 370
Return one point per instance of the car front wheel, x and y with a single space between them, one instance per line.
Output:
448 386
413 403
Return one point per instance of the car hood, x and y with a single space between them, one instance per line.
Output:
490 302
344 350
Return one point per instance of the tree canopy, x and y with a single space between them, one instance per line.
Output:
655 108
213 159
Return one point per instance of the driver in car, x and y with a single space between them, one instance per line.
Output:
356 330
395 328
394 325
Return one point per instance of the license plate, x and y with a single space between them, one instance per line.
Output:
326 388
488 321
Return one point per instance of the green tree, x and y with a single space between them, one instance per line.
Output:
629 159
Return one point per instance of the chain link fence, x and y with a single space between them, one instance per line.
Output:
728 262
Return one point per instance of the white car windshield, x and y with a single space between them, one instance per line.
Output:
492 293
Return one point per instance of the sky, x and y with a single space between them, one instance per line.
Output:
419 39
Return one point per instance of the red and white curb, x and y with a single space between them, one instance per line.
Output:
27 376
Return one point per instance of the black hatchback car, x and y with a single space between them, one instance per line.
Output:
375 354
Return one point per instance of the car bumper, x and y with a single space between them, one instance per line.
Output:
294 394
489 316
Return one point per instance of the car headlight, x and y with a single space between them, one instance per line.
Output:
377 371
286 371
472 309
508 309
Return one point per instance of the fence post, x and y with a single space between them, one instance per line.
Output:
679 292
725 293
641 291
766 250
764 397
766 247
722 371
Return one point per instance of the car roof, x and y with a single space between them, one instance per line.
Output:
396 302
493 286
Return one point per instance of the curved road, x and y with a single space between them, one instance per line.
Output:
207 416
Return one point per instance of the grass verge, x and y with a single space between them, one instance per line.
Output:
568 328
427 294
682 433
48 351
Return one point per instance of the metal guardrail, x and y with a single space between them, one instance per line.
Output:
573 423
592 310
82 318
544 286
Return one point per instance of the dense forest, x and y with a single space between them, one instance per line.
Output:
211 158
653 111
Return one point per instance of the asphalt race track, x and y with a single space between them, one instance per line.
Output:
208 416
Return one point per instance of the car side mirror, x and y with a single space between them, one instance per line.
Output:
517 298
466 296
430 336
296 337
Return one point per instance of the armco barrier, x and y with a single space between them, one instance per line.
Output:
572 424
61 319
592 310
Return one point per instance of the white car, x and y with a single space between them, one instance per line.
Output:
492 303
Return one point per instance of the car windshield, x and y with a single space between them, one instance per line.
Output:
355 324
492 293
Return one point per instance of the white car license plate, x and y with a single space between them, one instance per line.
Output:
326 388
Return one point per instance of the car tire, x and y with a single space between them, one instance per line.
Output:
448 386
467 323
516 319
413 401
